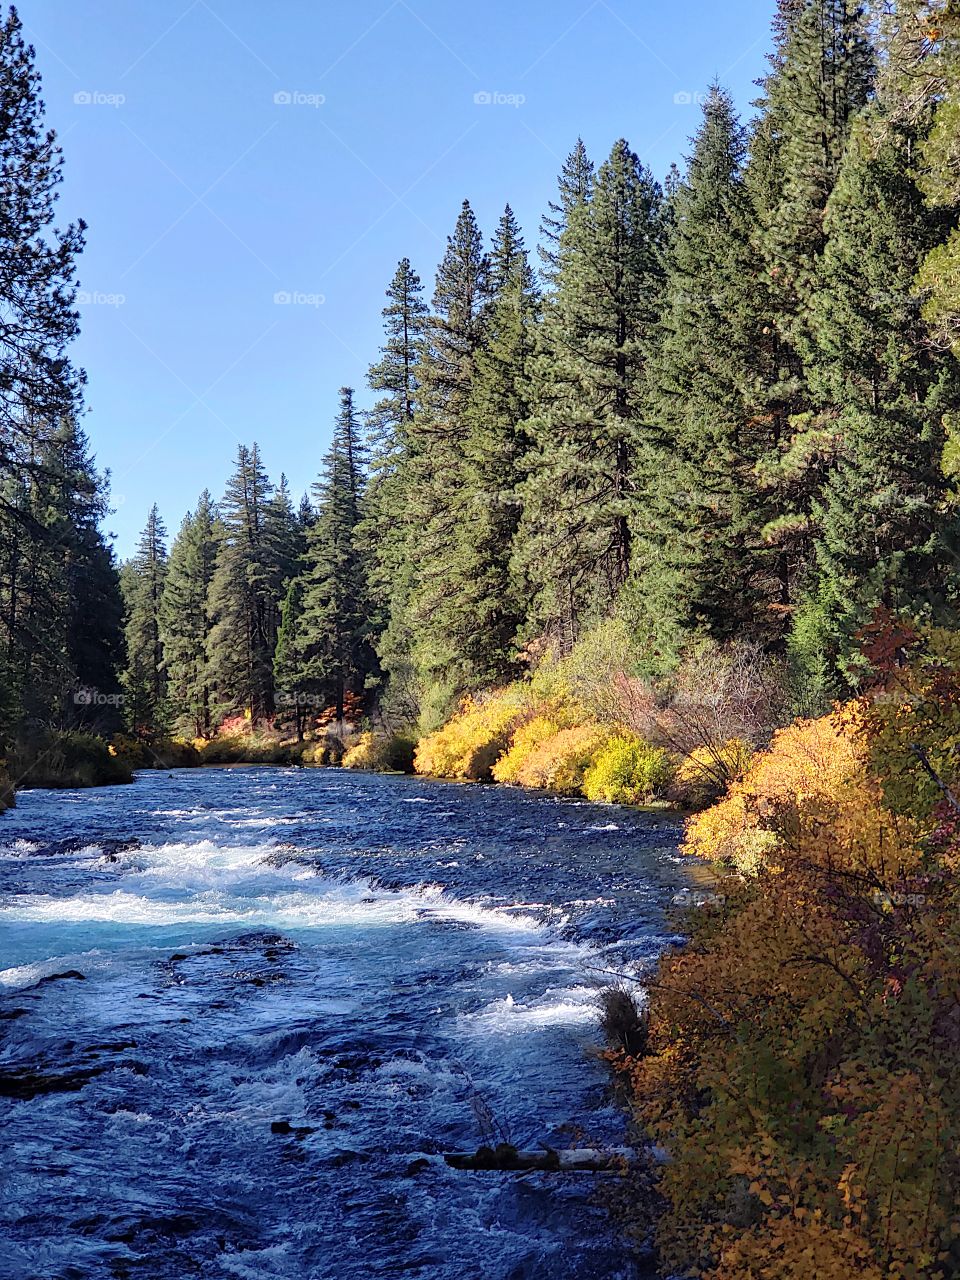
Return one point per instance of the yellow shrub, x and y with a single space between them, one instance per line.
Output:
705 774
813 777
386 753
558 763
470 744
527 738
628 771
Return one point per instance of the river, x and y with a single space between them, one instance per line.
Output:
243 1012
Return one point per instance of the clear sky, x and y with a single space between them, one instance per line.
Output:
225 152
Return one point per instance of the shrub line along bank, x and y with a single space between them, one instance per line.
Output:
798 1059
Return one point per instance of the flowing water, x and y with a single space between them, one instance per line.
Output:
243 1012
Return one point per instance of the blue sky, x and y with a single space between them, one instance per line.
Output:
224 152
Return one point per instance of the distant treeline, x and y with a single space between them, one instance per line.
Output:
721 407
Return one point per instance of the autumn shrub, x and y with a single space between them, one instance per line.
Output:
158 753
627 770
558 763
469 745
326 750
251 748
814 778
381 752
801 1064
705 773
527 738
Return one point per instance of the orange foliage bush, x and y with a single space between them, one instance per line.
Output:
810 795
802 1060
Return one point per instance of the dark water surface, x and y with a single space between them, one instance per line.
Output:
236 1005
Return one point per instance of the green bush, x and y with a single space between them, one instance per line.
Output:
58 759
251 749
383 753
163 753
628 771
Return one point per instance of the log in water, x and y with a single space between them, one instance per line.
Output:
244 1014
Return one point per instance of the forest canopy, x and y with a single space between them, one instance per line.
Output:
721 406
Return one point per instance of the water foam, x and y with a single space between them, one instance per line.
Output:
209 884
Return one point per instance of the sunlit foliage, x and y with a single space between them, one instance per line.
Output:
801 1065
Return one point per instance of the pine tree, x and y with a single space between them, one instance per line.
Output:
290 676
38 385
455 328
396 374
94 609
575 189
487 610
285 542
145 682
822 73
330 652
61 613
576 539
939 171
37 602
185 620
387 531
305 515
435 492
243 599
39 390
701 562
825 78
882 523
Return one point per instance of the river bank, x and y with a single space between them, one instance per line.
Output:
798 1057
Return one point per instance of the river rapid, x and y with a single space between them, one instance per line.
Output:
243 1012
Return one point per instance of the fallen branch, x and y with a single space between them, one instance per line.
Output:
575 1160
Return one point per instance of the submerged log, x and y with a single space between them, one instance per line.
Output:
574 1160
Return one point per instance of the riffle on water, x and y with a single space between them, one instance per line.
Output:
244 1012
